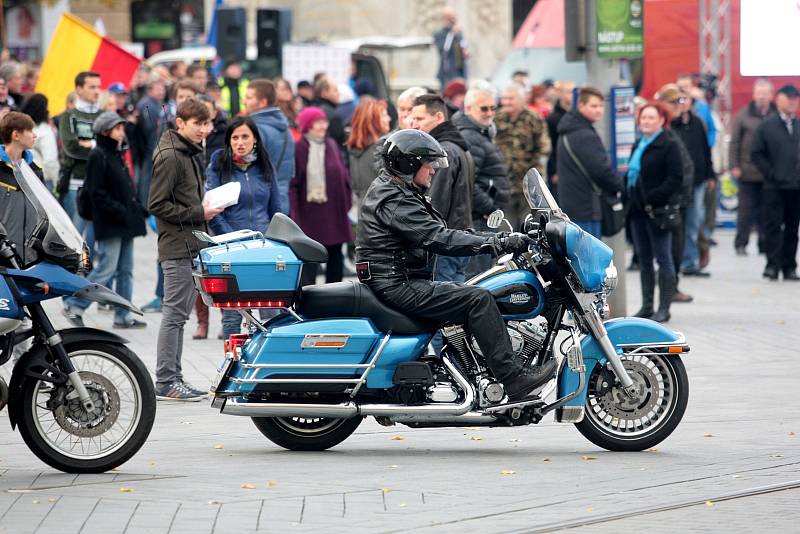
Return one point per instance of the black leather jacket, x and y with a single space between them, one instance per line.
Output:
400 234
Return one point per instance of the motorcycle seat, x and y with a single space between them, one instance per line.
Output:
354 299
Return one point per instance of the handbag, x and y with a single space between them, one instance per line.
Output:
612 209
665 218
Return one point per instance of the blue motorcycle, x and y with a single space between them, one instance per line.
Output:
83 402
336 354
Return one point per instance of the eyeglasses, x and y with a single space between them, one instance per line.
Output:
487 109
681 100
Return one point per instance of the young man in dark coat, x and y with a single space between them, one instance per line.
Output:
451 187
117 215
176 201
775 153
582 163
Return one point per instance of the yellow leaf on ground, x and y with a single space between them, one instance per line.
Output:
587 458
248 486
271 483
652 450
589 509
545 459
385 490
476 438
398 438
126 490
52 499
219 446
709 503
471 427
402 505
708 435
508 472
392 467
776 456
791 433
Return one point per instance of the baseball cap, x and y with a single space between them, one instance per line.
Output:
789 90
106 121
117 88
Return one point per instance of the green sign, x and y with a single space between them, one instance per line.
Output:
619 29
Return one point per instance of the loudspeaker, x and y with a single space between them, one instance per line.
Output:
231 33
273 30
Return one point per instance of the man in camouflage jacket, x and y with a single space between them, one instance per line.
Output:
523 139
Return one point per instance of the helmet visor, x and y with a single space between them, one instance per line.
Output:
439 162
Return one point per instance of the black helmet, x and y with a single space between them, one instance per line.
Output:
405 151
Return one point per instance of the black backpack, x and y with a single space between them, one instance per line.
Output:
83 201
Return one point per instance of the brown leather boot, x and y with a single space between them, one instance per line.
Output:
202 319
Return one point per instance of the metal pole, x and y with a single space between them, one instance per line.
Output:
603 74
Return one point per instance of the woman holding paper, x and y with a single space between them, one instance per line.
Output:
243 161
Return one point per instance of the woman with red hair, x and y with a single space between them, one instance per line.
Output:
654 180
370 122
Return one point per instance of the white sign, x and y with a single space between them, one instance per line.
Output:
302 62
768 38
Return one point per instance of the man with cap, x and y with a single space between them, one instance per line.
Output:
117 215
775 153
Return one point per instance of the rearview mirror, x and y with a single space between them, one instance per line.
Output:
495 219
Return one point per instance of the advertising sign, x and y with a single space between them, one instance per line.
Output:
623 127
620 29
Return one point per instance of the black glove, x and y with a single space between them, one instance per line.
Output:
514 243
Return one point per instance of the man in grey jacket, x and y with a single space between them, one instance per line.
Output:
176 201
751 181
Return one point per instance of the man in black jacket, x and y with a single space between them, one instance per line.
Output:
399 235
492 190
451 188
582 163
775 153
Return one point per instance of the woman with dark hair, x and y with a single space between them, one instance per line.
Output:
654 181
45 149
243 159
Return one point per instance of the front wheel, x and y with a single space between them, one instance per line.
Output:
62 434
306 433
617 422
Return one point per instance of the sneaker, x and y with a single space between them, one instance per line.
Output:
73 318
177 391
193 389
130 322
154 306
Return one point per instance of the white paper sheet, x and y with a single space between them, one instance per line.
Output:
224 195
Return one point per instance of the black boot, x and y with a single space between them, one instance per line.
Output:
648 281
666 287
519 386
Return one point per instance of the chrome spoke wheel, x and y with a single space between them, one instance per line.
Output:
64 424
306 426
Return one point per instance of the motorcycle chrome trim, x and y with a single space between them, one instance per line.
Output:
4 393
601 335
546 390
251 319
570 414
295 380
368 370
566 398
351 409
54 340
497 269
304 365
467 419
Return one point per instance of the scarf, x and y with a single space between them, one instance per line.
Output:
86 107
243 162
315 171
635 163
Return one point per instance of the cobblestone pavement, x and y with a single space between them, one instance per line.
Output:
732 465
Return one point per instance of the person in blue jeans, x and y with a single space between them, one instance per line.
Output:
243 159
118 216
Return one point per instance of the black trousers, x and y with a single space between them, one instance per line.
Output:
749 213
678 243
450 303
781 221
334 268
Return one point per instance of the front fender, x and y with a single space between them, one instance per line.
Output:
36 357
625 333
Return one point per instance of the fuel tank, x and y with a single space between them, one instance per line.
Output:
518 294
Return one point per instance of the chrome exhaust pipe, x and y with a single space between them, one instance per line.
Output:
350 409
4 394
467 419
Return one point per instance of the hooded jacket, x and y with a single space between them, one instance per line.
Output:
451 188
575 191
400 233
273 129
115 210
492 190
259 199
176 196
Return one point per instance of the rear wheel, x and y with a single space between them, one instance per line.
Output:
306 433
617 422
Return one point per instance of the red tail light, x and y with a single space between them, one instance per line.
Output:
251 304
215 285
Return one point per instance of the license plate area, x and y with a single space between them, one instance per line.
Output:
222 373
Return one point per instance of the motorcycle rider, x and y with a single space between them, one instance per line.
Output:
399 236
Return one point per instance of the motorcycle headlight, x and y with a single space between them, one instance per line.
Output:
611 278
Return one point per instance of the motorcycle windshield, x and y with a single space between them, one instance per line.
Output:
538 194
52 233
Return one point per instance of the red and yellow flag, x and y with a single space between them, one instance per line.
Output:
77 47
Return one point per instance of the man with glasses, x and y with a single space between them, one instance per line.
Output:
582 163
491 190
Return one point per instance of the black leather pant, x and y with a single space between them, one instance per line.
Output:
450 303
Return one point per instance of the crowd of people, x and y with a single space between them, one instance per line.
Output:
145 153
